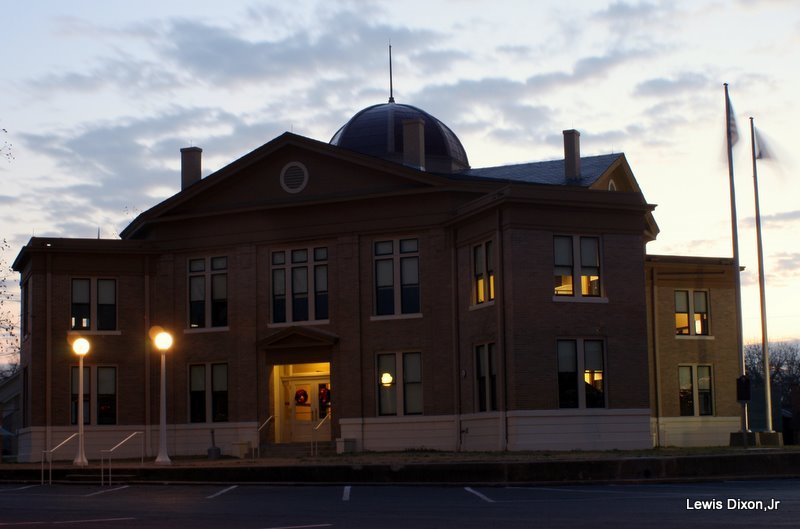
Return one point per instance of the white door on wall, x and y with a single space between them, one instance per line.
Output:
309 403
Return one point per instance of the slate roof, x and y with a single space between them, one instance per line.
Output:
378 131
549 173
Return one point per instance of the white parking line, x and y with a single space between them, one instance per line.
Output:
478 494
568 489
301 526
346 493
220 493
19 488
99 492
63 522
96 520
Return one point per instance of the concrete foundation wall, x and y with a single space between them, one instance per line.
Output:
696 431
182 440
597 429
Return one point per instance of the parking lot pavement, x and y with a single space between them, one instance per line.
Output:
724 505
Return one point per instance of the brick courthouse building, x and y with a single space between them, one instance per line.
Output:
380 281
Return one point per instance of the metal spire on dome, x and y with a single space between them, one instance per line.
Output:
391 88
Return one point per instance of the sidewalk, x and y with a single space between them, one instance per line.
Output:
441 468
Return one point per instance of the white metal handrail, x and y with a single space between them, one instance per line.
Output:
106 454
50 457
314 443
257 449
271 417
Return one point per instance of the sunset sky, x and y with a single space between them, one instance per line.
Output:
98 98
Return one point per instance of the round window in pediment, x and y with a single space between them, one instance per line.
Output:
294 177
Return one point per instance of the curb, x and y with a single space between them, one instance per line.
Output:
619 470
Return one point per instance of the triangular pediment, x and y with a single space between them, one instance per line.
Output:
617 177
257 182
298 338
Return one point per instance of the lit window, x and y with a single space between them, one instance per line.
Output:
691 312
581 374
562 248
483 273
590 266
208 274
94 304
81 303
399 379
695 390
303 273
566 275
397 285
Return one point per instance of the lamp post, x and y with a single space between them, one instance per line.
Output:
80 347
163 341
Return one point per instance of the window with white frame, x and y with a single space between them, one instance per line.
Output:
300 285
94 304
691 313
208 275
208 393
99 394
483 273
486 377
581 374
576 261
695 393
397 289
399 383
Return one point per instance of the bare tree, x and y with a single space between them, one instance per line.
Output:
784 360
5 148
9 322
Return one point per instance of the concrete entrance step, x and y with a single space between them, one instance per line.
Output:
297 449
84 477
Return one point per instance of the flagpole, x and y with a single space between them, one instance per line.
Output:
762 291
730 126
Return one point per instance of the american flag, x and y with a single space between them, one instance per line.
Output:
733 131
763 151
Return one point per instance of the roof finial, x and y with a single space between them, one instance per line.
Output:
391 87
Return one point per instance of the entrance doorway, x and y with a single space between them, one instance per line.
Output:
302 394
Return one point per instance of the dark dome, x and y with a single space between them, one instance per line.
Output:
378 131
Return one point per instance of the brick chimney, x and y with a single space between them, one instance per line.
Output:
414 143
572 155
190 166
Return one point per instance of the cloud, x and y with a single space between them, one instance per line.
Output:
297 47
515 51
586 69
124 73
665 87
110 168
783 266
625 12
223 56
627 18
778 220
490 106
